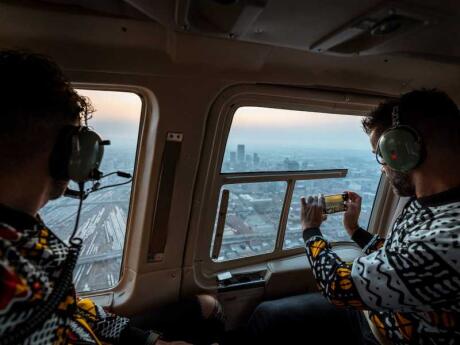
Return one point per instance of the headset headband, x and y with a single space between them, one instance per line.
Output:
395 116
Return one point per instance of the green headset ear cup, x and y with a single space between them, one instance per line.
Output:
86 155
401 148
60 155
77 154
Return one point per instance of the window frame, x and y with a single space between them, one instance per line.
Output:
207 192
290 177
148 103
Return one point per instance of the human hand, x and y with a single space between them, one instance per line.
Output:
351 215
311 213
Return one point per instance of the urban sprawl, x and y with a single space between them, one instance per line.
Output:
253 214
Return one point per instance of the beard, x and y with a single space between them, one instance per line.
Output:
401 183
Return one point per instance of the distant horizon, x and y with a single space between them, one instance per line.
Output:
260 126
117 114
277 147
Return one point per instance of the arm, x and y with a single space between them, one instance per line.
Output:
415 277
20 284
116 329
333 276
112 328
368 242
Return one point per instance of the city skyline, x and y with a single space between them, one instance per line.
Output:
252 219
261 127
254 209
117 115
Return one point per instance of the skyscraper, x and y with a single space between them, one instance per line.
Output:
232 157
241 153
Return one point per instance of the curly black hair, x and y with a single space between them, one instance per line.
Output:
36 101
431 112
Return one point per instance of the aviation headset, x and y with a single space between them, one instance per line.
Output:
400 147
77 154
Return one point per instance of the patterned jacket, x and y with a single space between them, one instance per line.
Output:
410 281
30 260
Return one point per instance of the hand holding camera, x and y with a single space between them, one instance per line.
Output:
352 211
315 209
312 212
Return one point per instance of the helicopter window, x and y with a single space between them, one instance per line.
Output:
105 212
306 153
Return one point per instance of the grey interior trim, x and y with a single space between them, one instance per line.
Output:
281 176
220 224
284 215
159 234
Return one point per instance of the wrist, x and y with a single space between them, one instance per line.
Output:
311 232
352 229
153 338
307 226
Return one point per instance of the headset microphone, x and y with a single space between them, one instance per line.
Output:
124 174
75 194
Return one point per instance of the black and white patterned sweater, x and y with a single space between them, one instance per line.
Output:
410 281
31 258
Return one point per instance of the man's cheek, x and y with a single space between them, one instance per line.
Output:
58 189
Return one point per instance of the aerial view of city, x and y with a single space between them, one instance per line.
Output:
102 224
254 209
269 139
104 213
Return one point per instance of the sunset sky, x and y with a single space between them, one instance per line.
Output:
117 114
259 127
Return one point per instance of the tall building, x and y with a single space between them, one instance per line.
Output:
241 153
232 157
291 165
256 159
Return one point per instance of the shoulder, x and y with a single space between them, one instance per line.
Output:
447 214
9 233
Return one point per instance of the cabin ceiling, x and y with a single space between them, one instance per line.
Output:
373 45
427 29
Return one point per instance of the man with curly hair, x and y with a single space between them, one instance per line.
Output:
36 103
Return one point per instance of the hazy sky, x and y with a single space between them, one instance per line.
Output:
117 114
264 127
